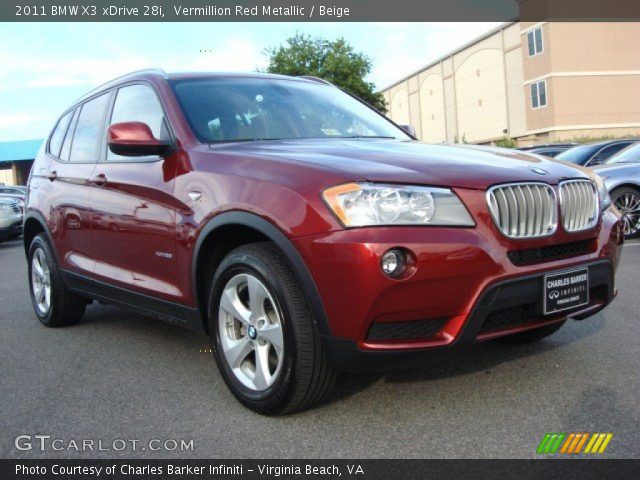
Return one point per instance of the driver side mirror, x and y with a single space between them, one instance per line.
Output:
135 139
408 129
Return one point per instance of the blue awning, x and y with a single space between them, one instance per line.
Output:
19 150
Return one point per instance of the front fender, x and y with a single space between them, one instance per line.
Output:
284 244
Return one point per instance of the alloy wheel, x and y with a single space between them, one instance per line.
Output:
629 205
41 281
250 329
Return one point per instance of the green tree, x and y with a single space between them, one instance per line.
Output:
334 61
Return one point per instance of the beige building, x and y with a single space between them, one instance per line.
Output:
533 82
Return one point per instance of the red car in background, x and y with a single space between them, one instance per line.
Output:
303 231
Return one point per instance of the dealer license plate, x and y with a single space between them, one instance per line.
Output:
565 290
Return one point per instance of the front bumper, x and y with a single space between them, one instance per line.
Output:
10 225
457 270
509 300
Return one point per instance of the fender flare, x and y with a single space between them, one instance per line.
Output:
35 215
275 235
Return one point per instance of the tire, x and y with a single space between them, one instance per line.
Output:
64 307
298 373
627 200
531 336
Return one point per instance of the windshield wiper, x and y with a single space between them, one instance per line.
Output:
240 140
366 136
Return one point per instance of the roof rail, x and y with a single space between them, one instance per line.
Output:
158 71
316 79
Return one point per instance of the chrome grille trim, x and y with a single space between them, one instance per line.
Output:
579 205
524 210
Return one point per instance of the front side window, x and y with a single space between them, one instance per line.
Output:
57 137
534 41
88 133
539 94
138 103
245 109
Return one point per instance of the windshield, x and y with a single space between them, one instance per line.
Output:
244 109
630 154
578 155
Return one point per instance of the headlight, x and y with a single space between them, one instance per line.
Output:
603 193
5 206
371 204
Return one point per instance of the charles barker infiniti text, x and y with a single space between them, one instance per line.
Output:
139 470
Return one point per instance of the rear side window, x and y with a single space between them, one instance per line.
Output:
88 133
139 103
66 145
57 137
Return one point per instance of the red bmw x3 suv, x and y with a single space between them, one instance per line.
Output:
303 231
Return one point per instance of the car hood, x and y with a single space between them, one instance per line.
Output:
465 166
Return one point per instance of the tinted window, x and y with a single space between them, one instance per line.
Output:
534 41
531 42
11 190
534 95
542 93
538 39
243 109
607 152
578 155
55 143
539 94
88 134
139 103
66 146
628 155
549 152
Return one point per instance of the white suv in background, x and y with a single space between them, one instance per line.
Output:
10 218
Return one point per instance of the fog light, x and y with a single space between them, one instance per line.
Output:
393 262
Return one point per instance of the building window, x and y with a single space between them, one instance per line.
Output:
534 39
539 94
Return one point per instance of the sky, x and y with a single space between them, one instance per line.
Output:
45 67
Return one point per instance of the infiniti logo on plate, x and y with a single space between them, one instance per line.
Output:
539 171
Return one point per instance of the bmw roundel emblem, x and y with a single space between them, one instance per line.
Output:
539 171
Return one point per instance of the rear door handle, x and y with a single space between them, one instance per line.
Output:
52 175
99 179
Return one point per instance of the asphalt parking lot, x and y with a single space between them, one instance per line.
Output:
119 375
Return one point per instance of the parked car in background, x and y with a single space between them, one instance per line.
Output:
15 192
10 218
548 150
591 154
621 176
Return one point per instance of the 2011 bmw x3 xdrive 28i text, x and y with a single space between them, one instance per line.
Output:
303 231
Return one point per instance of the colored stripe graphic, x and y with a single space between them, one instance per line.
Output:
581 443
598 442
573 443
550 443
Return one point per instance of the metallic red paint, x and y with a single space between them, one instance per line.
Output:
134 224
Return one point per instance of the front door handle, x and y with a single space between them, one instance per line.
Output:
99 180
52 175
